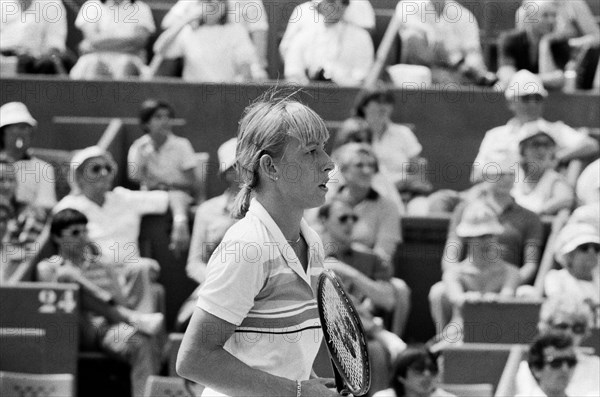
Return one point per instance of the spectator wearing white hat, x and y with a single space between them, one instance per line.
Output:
525 97
483 274
35 31
114 215
213 217
518 244
35 177
578 252
539 188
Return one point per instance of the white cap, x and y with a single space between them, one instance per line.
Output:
478 219
524 83
15 112
410 76
226 154
572 236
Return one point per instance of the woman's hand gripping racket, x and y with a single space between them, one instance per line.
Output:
344 336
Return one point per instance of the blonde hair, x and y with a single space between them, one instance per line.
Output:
564 305
265 128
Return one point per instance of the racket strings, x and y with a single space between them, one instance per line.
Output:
344 336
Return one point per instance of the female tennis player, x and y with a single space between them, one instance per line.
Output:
256 330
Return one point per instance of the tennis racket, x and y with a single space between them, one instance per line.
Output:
344 336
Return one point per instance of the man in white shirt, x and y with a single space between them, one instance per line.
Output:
444 36
334 50
525 96
305 15
251 14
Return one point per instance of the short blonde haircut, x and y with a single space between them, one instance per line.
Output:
565 305
265 128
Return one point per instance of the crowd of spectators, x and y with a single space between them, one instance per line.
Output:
324 40
495 237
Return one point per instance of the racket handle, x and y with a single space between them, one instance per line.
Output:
339 382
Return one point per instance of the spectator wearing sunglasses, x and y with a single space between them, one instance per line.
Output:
539 188
366 278
571 317
114 215
378 225
578 252
160 160
525 98
552 362
35 177
106 311
415 374
483 274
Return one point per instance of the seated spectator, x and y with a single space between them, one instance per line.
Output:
518 244
395 146
334 50
525 98
106 312
35 178
115 35
378 225
114 215
306 15
22 225
35 32
535 47
365 277
250 14
160 160
578 252
539 188
574 21
552 362
483 274
415 374
213 49
357 130
588 184
213 217
444 36
570 317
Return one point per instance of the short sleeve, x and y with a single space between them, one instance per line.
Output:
135 162
142 14
232 280
187 155
89 11
360 13
412 147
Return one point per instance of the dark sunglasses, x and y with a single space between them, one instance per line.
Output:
585 247
557 363
421 366
97 168
531 98
369 165
577 328
74 232
347 217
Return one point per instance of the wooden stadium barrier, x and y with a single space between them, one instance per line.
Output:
39 328
510 321
473 363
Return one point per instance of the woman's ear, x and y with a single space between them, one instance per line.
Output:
267 167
